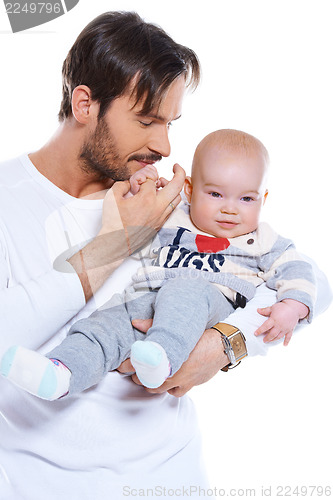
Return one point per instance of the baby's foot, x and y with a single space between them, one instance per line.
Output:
150 362
33 372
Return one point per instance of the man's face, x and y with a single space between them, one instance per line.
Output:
124 140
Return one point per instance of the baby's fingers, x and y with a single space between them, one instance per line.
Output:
274 334
264 328
287 338
162 182
147 172
264 311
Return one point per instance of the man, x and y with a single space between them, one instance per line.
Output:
123 85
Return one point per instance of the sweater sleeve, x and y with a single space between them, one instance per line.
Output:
248 319
287 272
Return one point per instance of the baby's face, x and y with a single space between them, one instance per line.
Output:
226 191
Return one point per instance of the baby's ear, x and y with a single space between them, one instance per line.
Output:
188 188
265 197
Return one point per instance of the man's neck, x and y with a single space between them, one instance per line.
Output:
58 161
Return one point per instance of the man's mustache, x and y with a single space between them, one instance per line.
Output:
152 158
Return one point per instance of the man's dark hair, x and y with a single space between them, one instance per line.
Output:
118 46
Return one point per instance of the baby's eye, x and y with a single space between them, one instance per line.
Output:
247 198
215 195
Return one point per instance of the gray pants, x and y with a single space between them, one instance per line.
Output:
182 309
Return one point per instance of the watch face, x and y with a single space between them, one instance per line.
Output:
238 346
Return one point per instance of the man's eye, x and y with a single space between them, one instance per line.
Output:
215 195
145 124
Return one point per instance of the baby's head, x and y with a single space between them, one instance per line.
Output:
226 189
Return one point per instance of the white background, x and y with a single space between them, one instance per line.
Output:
266 70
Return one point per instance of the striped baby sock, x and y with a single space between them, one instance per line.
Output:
35 373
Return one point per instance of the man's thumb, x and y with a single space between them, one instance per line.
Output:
142 324
121 188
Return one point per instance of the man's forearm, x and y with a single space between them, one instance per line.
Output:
127 225
95 262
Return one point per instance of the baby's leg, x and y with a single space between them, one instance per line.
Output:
98 344
184 308
93 347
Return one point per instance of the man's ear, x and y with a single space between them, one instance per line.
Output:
188 188
265 197
83 107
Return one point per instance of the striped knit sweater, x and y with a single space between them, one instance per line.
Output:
235 265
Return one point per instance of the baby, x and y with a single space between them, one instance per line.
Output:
207 260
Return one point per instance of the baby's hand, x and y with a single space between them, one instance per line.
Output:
283 317
141 176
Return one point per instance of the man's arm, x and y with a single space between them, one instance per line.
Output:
208 356
128 223
33 310
206 359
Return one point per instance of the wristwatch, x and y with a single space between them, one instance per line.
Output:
234 344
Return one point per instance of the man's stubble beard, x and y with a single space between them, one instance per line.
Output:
99 156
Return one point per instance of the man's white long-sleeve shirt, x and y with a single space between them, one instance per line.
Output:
94 444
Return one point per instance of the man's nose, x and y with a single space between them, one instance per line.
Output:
159 142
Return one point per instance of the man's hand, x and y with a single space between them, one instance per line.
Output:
283 318
206 359
142 215
127 225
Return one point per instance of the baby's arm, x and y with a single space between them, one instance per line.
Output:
282 319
